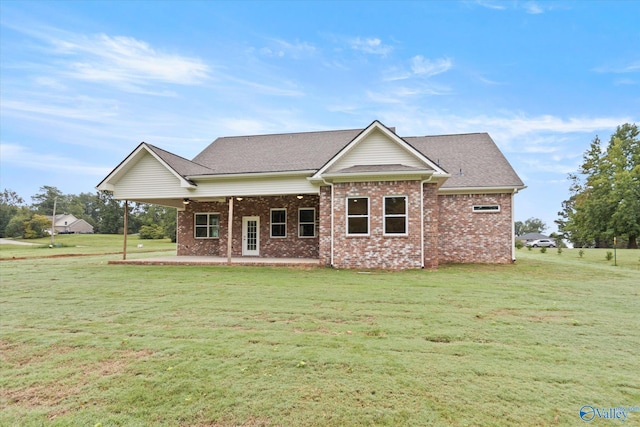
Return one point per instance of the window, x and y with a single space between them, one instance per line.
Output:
278 223
207 226
357 215
486 208
307 222
395 215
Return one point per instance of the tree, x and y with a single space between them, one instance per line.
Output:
10 204
532 225
43 202
604 197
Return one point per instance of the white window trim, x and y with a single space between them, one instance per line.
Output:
485 208
301 223
405 216
368 216
271 223
208 214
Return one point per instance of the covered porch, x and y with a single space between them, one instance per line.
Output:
218 260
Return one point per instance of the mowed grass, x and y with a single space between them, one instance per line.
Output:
86 343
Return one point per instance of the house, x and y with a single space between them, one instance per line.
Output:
69 224
360 198
530 237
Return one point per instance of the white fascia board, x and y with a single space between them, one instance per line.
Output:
480 190
251 175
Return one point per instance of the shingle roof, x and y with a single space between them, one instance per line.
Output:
181 165
274 153
473 160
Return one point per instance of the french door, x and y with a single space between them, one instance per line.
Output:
250 236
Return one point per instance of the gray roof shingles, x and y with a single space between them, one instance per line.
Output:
473 160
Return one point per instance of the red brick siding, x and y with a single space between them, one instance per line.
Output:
291 246
325 225
377 250
466 236
431 216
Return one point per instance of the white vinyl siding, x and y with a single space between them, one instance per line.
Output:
149 179
256 186
376 149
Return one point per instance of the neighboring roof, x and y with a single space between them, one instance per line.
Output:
274 153
472 159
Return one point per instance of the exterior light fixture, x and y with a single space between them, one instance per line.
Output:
186 201
239 199
300 196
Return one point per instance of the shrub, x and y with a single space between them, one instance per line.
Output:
543 250
519 244
609 255
559 250
581 253
151 232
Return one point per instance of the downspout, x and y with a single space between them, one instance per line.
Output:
513 228
422 183
330 184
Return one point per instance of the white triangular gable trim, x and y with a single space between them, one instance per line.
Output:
131 159
376 125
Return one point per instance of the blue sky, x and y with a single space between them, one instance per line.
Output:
82 83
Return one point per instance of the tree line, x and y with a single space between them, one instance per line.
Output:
604 195
19 219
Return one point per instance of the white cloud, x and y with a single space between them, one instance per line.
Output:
619 69
26 157
533 8
426 67
280 48
125 62
370 45
491 4
419 67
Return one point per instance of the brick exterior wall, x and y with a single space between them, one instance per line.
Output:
377 250
471 237
291 246
452 232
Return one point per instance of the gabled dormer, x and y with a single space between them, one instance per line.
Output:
377 153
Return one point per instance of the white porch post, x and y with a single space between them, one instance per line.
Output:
126 225
230 230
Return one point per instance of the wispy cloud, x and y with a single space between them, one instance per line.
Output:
491 4
628 68
533 8
280 48
422 66
419 66
15 154
370 45
126 60
128 63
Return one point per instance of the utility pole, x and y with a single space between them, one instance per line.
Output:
53 221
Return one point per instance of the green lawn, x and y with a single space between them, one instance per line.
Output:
86 343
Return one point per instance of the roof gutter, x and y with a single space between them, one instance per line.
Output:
249 175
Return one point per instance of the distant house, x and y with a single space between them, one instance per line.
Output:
69 224
359 198
530 237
